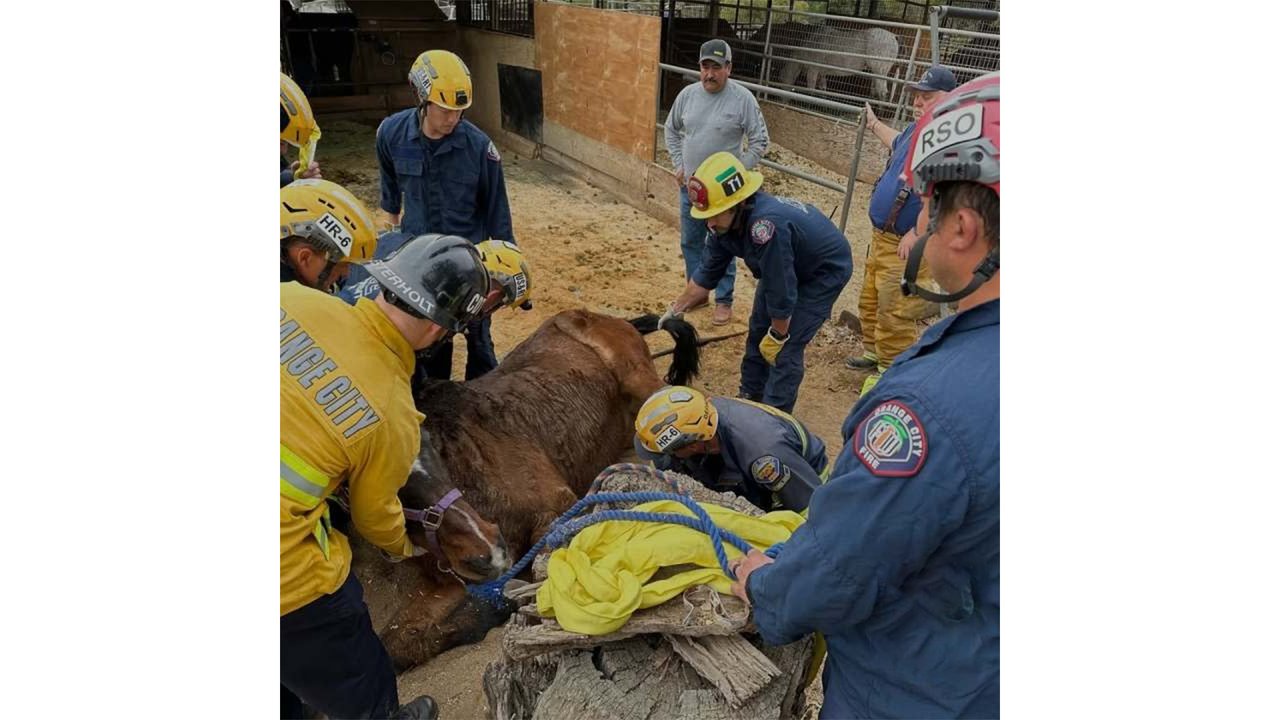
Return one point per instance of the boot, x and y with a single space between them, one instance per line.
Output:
866 362
722 315
422 708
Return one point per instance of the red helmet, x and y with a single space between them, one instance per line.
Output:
959 138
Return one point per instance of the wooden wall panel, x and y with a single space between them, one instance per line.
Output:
599 74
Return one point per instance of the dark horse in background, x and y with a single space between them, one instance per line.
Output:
522 444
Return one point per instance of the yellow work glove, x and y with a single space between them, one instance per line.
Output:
771 344
307 154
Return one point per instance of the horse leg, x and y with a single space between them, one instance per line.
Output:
562 499
789 72
620 348
880 86
443 617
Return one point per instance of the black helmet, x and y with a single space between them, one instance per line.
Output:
437 277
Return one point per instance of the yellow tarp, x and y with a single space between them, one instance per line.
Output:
602 577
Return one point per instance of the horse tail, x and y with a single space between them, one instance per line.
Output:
685 360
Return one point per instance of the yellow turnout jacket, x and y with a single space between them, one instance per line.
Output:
346 414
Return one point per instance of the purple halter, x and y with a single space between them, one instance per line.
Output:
431 519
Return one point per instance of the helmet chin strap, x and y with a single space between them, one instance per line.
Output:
982 273
740 213
329 265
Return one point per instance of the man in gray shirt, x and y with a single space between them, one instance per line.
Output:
712 116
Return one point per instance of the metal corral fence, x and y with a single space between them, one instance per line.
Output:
836 57
514 17
830 105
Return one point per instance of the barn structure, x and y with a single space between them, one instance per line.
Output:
581 84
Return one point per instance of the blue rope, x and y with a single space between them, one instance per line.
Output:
568 525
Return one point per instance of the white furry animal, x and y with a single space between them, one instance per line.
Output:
879 43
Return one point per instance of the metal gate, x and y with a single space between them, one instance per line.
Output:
850 60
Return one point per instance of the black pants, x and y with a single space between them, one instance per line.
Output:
331 659
480 354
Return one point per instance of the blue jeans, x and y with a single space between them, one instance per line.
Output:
693 234
331 659
779 385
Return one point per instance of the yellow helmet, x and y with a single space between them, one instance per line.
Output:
328 216
675 417
719 183
297 123
507 267
441 77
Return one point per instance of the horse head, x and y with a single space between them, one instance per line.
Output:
438 518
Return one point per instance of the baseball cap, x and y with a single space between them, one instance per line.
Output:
717 51
934 79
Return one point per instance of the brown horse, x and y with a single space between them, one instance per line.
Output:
522 443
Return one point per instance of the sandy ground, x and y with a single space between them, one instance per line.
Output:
589 249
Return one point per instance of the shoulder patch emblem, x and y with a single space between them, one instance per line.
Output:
891 442
762 231
769 471
492 152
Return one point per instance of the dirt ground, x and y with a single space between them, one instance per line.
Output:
589 249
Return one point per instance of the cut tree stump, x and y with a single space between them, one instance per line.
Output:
685 658
636 680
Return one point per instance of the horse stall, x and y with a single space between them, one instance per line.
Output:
352 57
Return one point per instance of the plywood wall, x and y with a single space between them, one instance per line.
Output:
599 74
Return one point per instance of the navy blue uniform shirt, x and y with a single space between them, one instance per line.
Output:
795 252
898 564
887 187
454 188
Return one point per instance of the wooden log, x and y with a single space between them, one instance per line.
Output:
701 611
639 679
512 689
733 665
780 699
632 680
